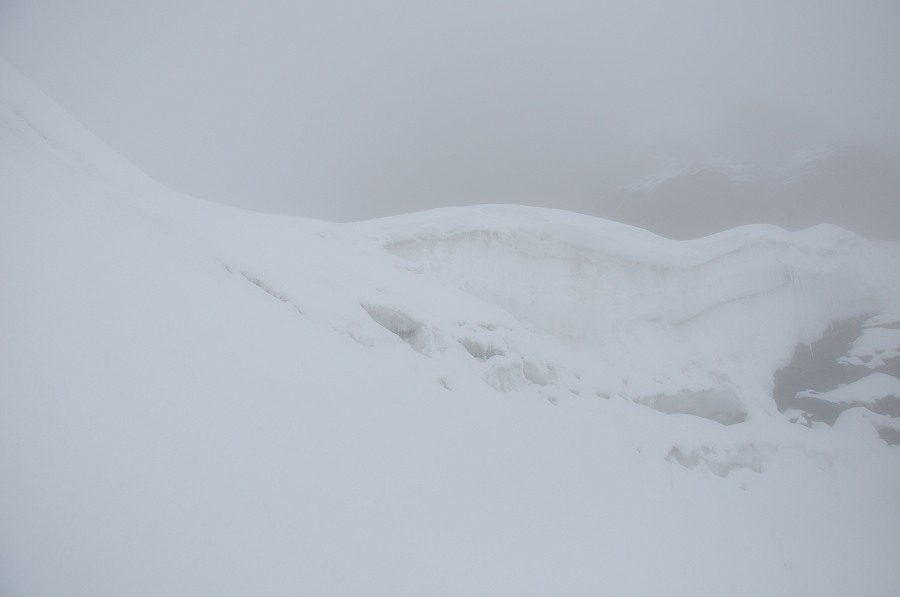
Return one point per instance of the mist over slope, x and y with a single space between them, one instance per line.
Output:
495 400
857 187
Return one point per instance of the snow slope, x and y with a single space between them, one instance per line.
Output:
480 401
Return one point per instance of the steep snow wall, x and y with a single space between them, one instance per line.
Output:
535 296
576 303
657 317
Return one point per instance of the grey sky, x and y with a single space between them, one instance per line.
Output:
346 110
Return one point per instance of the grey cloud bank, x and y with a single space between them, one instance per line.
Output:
359 109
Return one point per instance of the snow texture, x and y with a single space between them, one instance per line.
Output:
493 400
868 390
876 346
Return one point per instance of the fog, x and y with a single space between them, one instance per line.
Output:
351 110
492 400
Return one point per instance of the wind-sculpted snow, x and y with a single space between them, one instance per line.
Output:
874 347
492 400
665 324
872 388
854 363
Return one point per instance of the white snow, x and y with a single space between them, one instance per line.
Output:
868 390
493 400
862 420
874 347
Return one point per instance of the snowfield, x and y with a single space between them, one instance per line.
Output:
496 400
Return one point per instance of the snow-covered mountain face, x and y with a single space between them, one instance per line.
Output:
495 400
853 186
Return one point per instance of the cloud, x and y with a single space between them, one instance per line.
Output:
358 109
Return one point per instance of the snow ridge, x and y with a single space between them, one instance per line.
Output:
492 400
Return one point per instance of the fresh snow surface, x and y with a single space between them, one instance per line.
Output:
868 390
876 346
198 400
864 419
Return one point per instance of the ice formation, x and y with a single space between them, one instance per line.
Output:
488 400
